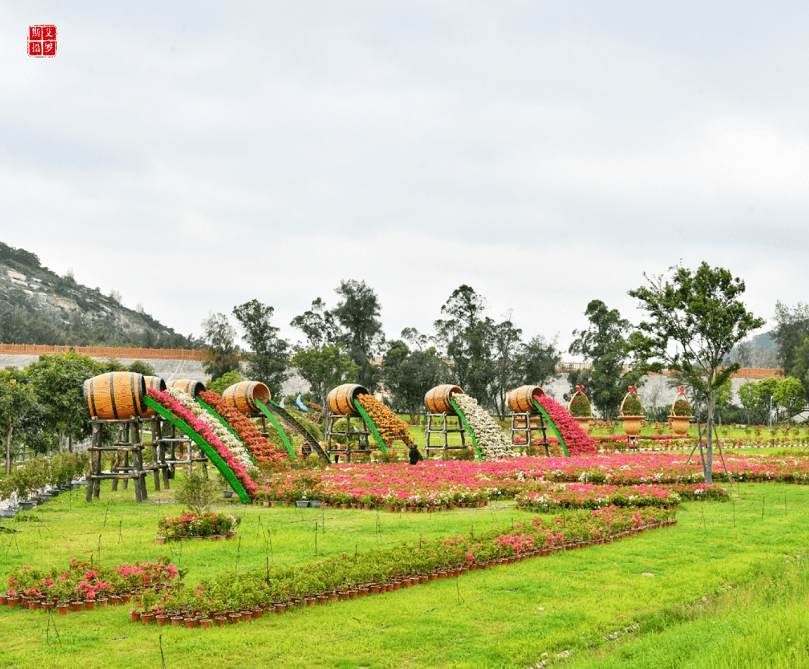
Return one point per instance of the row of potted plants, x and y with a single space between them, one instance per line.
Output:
44 477
83 585
234 596
546 498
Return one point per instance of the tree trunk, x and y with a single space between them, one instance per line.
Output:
707 469
8 449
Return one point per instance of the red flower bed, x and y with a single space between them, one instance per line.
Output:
260 448
577 441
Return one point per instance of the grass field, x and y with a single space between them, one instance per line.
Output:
722 588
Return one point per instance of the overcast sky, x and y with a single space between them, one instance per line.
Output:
196 155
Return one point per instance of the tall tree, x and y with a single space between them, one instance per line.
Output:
358 314
408 375
538 361
604 345
318 324
695 319
58 381
468 338
789 393
325 368
793 326
17 400
268 360
507 346
220 353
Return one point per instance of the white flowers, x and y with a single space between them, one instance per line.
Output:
221 432
490 438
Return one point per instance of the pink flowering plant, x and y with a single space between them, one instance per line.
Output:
233 453
577 441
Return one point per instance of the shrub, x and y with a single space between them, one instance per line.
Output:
197 493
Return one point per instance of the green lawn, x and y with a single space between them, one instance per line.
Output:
503 617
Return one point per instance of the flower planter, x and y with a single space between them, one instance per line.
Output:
679 424
147 618
374 589
205 623
62 609
220 621
160 540
632 424
115 599
246 616
585 422
134 616
190 623
176 621
161 620
78 606
89 604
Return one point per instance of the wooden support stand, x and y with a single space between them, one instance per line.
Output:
128 444
359 433
443 430
179 449
529 424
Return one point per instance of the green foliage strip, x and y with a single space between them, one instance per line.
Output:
553 425
213 456
468 428
277 426
370 424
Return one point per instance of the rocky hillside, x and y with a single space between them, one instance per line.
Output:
39 307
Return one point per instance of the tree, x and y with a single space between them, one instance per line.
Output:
507 345
58 382
749 399
318 324
358 313
269 358
800 368
468 338
604 345
789 393
695 320
793 325
325 368
220 353
408 375
225 381
765 392
17 400
538 361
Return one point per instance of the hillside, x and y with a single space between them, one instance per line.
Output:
39 307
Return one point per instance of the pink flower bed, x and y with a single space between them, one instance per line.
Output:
205 432
577 441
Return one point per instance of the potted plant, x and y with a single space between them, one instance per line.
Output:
631 412
680 414
579 407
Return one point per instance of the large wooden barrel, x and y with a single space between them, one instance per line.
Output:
341 399
520 400
153 383
190 386
115 395
243 395
437 399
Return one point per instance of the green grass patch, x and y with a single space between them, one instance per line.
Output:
502 617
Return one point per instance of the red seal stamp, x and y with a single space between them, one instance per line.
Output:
42 41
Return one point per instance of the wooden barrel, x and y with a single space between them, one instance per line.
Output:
341 399
520 400
437 399
243 395
190 386
154 383
115 395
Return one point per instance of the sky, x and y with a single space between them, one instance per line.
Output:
194 155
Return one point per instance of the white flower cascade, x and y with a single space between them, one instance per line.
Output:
221 432
493 443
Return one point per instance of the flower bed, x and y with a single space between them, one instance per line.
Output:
231 597
259 447
577 441
189 524
491 440
388 424
182 405
587 496
436 484
83 585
